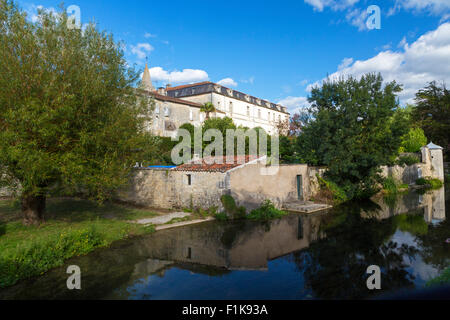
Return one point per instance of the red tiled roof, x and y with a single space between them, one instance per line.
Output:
215 164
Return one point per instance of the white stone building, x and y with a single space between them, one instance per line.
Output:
178 105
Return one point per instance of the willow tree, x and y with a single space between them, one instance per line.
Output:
70 121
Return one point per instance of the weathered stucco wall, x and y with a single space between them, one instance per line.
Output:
250 188
169 189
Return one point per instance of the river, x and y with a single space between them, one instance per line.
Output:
316 256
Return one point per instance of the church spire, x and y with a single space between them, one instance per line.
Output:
146 82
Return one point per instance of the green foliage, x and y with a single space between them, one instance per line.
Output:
407 160
73 227
392 187
70 119
413 140
356 128
267 211
221 216
337 194
33 259
231 209
414 224
207 108
442 279
429 182
432 114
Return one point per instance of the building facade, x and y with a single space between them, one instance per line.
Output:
175 106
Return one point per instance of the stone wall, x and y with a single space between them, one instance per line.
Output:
169 189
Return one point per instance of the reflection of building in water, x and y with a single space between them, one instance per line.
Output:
243 245
435 208
431 204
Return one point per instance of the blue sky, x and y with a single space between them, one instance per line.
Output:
276 50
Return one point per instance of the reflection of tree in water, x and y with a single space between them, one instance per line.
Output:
434 250
336 266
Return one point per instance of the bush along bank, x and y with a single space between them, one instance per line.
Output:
430 183
266 211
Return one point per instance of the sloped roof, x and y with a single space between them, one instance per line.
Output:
433 146
216 164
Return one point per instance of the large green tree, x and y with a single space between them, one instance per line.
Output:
432 114
70 121
355 129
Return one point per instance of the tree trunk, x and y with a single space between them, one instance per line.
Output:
33 208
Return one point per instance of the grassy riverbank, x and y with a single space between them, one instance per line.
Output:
72 228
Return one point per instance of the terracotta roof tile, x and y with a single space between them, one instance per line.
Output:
215 164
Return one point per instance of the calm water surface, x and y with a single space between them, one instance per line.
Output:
315 256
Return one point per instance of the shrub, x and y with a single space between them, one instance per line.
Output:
431 183
337 194
391 186
407 160
267 211
231 209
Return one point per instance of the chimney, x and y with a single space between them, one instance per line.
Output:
168 86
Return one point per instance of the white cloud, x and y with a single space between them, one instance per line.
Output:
141 50
357 18
227 82
425 60
177 77
319 5
149 35
294 104
436 7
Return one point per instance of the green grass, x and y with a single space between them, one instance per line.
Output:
72 228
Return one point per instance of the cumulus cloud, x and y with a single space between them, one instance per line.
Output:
177 77
149 35
141 50
416 64
294 104
227 82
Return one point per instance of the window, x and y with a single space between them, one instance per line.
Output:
157 111
268 117
191 115
189 179
259 113
166 112
248 111
231 107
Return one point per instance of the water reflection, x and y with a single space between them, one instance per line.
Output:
322 255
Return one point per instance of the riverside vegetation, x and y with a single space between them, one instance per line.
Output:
74 227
